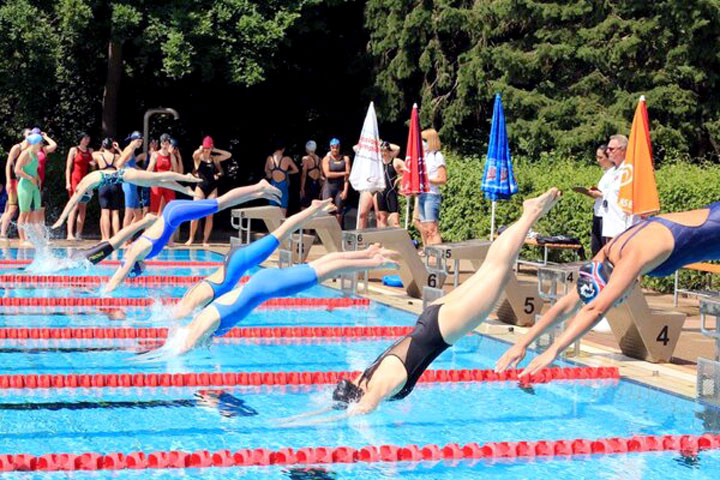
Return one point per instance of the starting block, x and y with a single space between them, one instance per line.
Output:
708 371
554 282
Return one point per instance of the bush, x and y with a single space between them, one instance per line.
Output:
465 212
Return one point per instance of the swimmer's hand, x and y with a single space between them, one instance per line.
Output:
175 345
541 361
511 358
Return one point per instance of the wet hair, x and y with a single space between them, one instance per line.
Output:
107 143
82 135
344 393
278 145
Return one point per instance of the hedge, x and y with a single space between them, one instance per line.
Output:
465 214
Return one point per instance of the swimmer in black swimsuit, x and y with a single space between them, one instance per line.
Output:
393 374
207 166
657 247
311 179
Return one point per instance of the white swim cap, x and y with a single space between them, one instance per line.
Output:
311 145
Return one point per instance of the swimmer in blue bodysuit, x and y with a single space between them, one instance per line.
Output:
657 247
104 249
224 313
240 259
175 213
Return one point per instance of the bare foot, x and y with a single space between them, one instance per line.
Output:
206 244
189 242
381 261
70 237
539 206
323 206
190 178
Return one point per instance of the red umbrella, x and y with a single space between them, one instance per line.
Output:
414 179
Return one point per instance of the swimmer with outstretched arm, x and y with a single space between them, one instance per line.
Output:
657 247
104 249
224 313
112 176
392 376
241 258
151 243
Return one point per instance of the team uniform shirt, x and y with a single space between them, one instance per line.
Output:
603 186
615 220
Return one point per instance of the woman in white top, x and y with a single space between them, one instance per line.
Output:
601 155
429 203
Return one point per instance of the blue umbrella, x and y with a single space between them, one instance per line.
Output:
498 180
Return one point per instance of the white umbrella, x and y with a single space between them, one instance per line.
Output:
367 174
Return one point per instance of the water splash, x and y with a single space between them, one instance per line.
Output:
44 261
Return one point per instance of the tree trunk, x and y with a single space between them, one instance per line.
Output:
112 88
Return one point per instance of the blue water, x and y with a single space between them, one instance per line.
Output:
148 419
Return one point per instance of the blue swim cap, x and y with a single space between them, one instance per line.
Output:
34 138
334 142
36 130
592 278
137 269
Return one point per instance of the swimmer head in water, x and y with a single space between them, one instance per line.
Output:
592 279
344 393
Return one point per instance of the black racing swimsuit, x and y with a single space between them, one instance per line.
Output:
206 171
388 199
312 185
416 350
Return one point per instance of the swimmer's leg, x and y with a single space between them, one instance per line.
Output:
88 183
239 195
178 211
468 305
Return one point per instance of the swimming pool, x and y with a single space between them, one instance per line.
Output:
39 421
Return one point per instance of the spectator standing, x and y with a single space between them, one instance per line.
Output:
387 200
109 196
49 147
278 167
430 201
11 206
615 220
336 170
77 165
311 178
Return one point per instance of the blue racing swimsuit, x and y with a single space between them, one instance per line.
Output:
239 260
692 244
267 283
175 213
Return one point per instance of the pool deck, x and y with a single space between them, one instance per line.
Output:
598 349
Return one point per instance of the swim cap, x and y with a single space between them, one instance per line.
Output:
165 138
592 278
136 135
311 145
34 138
137 269
208 142
36 130
334 142
344 393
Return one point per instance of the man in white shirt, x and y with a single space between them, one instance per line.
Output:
615 220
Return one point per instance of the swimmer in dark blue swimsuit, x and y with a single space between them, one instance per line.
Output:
657 247
224 313
175 213
240 259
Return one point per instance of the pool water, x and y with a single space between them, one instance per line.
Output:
106 420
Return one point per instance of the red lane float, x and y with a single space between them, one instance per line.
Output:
252 332
94 281
283 302
684 444
151 263
208 379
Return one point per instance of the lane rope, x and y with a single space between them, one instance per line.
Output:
686 445
219 379
94 281
152 263
283 302
249 332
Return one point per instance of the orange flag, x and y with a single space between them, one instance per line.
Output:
638 191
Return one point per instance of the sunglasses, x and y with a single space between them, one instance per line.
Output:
612 149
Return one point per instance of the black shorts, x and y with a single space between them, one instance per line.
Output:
387 201
111 197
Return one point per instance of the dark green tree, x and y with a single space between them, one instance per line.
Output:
570 72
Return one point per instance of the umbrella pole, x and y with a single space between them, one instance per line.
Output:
492 220
407 211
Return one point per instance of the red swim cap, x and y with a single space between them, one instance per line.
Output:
208 142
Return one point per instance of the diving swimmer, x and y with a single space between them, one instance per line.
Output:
392 376
657 247
241 258
104 249
224 313
141 178
175 213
